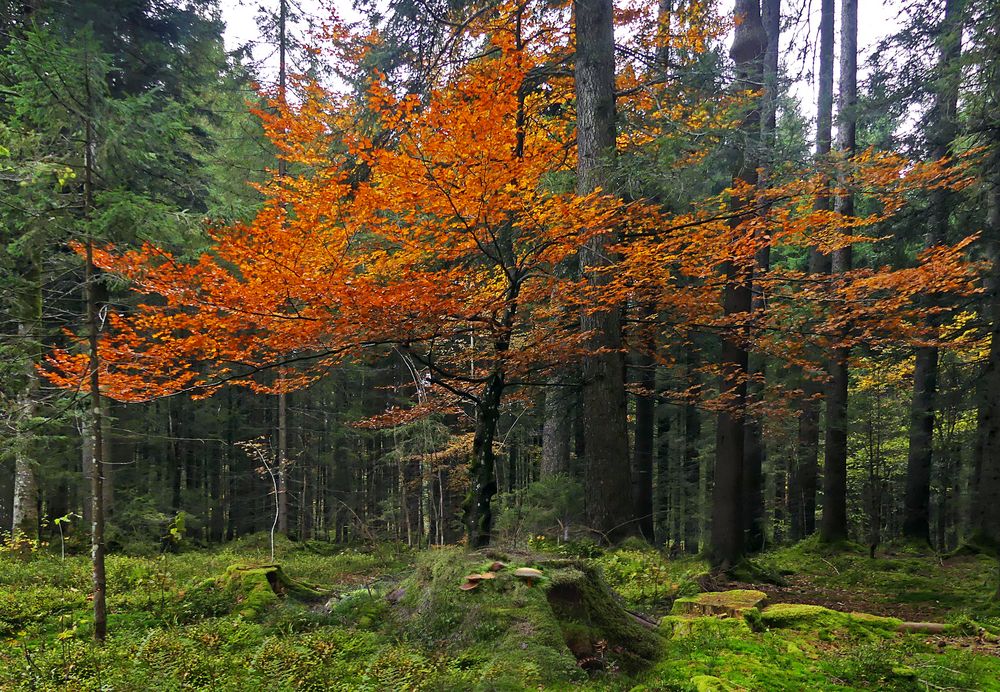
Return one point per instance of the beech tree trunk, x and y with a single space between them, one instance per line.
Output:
834 525
482 470
916 506
727 539
608 478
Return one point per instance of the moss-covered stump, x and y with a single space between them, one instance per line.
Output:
598 631
513 633
726 603
248 590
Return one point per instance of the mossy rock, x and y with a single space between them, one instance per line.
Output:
726 603
248 590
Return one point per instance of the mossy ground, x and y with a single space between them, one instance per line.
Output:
226 620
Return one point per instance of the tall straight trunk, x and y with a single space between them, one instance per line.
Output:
803 475
24 519
754 517
691 464
652 417
664 481
727 536
986 512
557 428
97 545
608 479
282 463
916 507
834 525
282 453
645 435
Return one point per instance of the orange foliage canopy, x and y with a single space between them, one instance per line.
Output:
434 226
441 226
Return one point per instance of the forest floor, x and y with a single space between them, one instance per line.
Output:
389 618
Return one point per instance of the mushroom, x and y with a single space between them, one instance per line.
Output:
529 574
472 580
497 566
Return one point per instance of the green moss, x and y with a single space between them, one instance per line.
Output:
246 589
709 683
728 603
537 634
823 620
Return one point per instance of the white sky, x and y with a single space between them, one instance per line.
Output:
876 20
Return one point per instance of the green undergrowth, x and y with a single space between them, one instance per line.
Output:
936 586
811 648
321 617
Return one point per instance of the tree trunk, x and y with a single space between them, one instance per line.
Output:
916 519
802 490
803 477
834 525
727 539
482 469
645 431
556 429
608 479
986 515
753 443
282 462
24 521
664 482
691 465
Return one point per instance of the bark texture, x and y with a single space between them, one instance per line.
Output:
916 506
608 477
834 524
727 539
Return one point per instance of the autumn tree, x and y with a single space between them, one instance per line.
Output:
444 251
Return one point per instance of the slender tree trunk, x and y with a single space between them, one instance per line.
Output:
97 546
24 520
645 432
608 481
691 465
282 452
834 525
727 536
282 462
664 481
916 507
